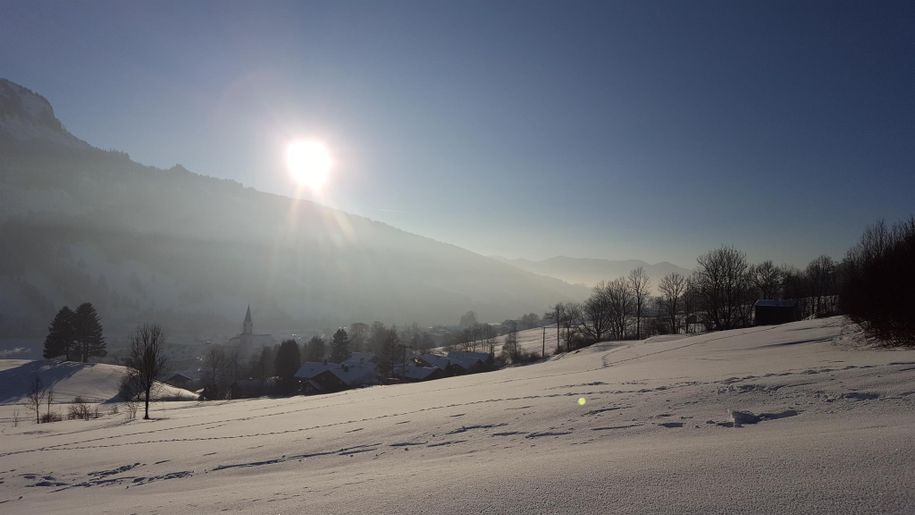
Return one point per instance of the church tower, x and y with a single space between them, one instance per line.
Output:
248 327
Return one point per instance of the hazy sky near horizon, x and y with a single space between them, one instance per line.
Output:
646 130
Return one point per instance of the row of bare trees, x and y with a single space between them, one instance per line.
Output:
718 295
610 312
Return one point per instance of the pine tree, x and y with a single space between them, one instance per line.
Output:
88 332
314 351
60 339
339 348
287 364
386 344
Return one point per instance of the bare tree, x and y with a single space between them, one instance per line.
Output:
147 358
571 322
638 284
596 313
35 397
723 283
214 361
510 346
621 306
690 301
672 287
821 280
767 279
49 399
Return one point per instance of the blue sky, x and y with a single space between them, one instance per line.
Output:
647 130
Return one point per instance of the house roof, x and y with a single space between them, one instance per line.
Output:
435 360
310 369
416 372
349 373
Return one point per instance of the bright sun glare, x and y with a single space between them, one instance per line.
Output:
309 163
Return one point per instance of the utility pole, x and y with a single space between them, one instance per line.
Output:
543 343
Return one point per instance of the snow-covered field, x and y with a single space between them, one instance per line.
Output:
94 382
837 435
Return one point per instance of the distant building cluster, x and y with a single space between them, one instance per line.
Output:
361 369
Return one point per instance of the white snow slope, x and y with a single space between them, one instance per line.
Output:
652 437
94 382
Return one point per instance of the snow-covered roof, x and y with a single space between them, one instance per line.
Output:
356 375
416 372
310 369
349 373
435 360
468 359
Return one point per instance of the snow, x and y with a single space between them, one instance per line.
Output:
532 340
833 433
90 381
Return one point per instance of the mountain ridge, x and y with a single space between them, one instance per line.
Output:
190 251
590 271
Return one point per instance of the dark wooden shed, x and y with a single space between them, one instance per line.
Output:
771 312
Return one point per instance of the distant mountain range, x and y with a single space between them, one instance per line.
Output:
590 271
191 252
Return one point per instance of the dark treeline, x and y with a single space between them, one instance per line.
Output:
879 281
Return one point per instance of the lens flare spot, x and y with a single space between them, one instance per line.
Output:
582 401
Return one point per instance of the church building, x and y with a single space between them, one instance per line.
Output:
248 342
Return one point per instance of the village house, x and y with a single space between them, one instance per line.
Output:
360 369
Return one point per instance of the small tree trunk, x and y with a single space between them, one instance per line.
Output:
146 416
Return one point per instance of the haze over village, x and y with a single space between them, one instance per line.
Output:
454 257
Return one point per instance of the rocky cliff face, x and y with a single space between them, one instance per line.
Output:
27 117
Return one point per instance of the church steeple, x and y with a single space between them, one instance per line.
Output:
248 326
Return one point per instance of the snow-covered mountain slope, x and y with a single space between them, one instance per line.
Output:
188 251
93 382
652 434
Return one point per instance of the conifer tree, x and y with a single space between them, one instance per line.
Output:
60 339
88 332
287 364
339 348
314 351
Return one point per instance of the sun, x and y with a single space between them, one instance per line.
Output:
309 163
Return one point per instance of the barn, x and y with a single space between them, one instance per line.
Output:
771 311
